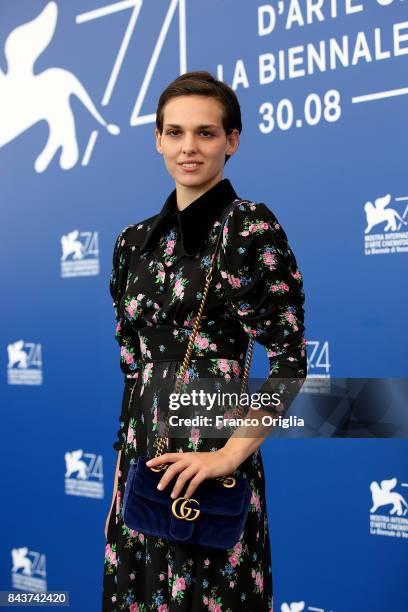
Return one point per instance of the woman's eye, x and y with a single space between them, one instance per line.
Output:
176 132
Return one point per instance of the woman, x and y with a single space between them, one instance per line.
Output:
159 268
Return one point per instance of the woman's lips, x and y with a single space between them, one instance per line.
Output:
188 168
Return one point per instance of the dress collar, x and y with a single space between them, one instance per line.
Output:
195 221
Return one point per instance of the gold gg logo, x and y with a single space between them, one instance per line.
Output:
185 508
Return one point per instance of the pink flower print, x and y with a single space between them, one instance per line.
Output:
238 548
217 608
202 342
277 226
255 500
271 353
235 368
160 275
133 533
130 310
253 573
134 607
231 584
218 286
178 287
146 372
169 250
269 259
252 228
205 600
130 435
161 576
181 584
132 576
124 353
113 598
163 608
110 555
259 581
141 537
264 225
233 560
123 242
143 348
290 317
280 287
195 435
206 562
296 274
245 233
213 346
169 572
223 365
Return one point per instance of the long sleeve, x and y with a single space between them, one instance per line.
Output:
264 290
129 347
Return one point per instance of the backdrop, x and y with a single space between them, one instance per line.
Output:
323 88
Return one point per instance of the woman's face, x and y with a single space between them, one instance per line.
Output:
193 130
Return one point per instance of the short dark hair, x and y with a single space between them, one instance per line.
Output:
203 83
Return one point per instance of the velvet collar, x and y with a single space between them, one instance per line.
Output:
195 221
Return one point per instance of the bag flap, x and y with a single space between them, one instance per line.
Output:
180 529
212 496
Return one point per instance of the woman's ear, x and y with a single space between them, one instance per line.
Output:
158 140
233 142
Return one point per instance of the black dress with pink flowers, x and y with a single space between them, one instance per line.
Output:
159 268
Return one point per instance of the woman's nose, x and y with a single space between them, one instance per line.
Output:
189 143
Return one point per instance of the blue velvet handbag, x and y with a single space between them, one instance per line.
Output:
216 516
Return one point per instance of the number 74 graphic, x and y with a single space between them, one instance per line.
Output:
135 7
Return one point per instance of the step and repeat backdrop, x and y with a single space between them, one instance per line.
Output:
323 89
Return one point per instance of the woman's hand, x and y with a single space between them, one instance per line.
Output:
195 467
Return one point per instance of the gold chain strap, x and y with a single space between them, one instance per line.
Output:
228 481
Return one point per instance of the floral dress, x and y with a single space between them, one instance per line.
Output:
158 274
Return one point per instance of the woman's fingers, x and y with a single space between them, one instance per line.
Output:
185 475
167 457
197 480
170 473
